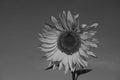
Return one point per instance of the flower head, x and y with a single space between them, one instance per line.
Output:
67 43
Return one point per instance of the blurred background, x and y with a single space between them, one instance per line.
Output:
22 20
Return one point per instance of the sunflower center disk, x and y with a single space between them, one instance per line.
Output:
69 42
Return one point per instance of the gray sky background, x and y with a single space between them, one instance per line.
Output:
22 20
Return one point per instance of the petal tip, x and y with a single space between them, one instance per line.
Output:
69 16
53 18
76 16
94 25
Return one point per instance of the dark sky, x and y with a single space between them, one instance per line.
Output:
22 20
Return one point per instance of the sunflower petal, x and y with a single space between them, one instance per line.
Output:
78 28
94 25
81 52
50 53
95 40
65 62
83 36
63 20
49 32
80 63
54 56
70 17
49 45
91 44
57 56
40 34
50 64
84 62
84 25
60 66
47 49
74 58
66 68
70 20
76 16
49 27
61 55
87 35
54 67
70 62
54 20
50 35
90 28
91 54
47 40
77 59
84 47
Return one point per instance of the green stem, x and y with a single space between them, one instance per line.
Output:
74 76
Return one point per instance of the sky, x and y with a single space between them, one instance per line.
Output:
22 20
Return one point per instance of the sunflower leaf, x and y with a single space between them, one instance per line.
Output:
82 71
50 67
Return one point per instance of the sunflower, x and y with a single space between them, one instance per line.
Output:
67 43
